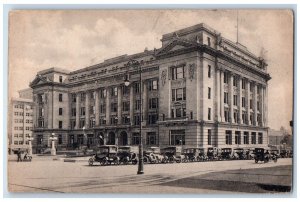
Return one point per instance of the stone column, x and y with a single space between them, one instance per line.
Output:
248 101
263 106
131 103
231 98
97 108
77 110
107 116
255 104
222 96
119 105
240 99
87 110
145 102
218 95
266 106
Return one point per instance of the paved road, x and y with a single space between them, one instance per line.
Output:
63 177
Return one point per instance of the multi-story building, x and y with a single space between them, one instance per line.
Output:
20 123
198 90
26 93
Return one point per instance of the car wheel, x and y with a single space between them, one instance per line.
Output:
275 160
256 161
134 162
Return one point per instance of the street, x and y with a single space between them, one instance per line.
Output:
47 175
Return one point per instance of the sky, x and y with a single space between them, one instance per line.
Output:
76 39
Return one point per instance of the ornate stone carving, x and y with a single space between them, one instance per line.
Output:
219 39
192 68
163 77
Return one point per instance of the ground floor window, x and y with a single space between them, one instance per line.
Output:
237 137
135 138
80 139
151 138
177 137
246 138
228 137
40 139
209 136
253 138
60 139
260 138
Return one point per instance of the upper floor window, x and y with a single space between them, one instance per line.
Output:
178 73
153 103
114 107
152 85
82 96
226 77
208 41
136 87
209 92
235 81
125 90
125 106
93 95
60 97
235 100
251 87
114 91
60 111
103 93
73 97
225 97
60 124
209 71
178 94
60 79
243 84
82 111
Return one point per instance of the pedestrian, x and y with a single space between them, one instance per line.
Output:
19 155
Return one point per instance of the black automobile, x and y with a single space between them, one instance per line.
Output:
191 155
239 154
173 154
263 155
127 154
105 155
226 154
213 153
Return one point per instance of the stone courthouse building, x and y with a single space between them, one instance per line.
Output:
198 90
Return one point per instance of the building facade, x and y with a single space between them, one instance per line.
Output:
198 90
20 124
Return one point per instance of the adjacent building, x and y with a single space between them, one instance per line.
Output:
20 123
198 90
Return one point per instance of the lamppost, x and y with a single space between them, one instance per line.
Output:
84 136
136 64
53 138
30 145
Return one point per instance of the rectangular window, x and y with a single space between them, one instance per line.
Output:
60 139
137 104
258 106
235 81
125 119
60 111
114 91
178 73
125 90
41 112
92 122
152 118
102 93
226 114
243 102
92 109
251 87
178 94
208 41
251 104
209 136
228 135
260 138
209 92
82 97
73 124
177 137
102 120
114 107
60 79
226 77
60 97
151 138
209 114
253 138
113 120
244 117
209 71
73 111
235 100
82 111
125 106
136 120
102 108
135 138
40 139
152 85
136 87
73 97
243 84
41 123
93 95
226 98
251 118
237 137
60 124
153 103
246 138
236 116
81 123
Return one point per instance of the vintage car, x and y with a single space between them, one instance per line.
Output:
275 152
226 154
191 155
264 155
152 155
173 154
127 154
213 153
202 155
250 153
239 154
105 155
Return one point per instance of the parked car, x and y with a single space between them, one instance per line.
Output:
250 153
191 155
226 154
264 155
127 154
173 154
239 154
213 153
105 155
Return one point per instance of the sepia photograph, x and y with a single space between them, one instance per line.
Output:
150 101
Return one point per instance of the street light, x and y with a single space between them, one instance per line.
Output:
135 63
30 145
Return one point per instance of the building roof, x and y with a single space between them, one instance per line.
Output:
54 69
21 100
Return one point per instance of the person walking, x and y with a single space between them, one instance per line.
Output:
19 155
